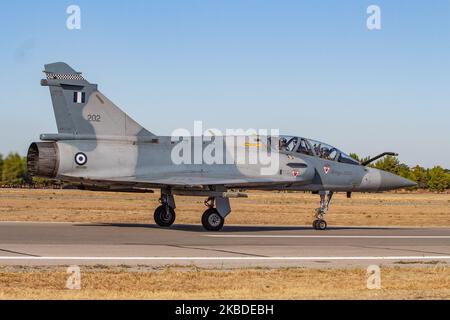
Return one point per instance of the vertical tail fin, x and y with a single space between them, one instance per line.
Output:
81 109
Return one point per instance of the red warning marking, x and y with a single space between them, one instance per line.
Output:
326 169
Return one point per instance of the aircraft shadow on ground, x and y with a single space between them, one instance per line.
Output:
231 228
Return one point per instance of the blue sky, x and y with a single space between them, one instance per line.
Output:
308 68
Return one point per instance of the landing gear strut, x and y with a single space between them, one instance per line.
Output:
325 200
211 219
165 214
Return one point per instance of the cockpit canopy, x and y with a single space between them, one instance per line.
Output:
314 148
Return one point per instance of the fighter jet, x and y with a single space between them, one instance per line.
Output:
99 147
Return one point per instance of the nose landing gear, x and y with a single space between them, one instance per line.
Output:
325 200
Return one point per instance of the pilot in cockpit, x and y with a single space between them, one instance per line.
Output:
283 144
317 149
325 153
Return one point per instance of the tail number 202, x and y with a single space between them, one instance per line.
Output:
94 118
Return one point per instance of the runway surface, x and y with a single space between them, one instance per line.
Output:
32 243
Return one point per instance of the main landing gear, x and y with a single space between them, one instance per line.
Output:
165 214
211 219
325 200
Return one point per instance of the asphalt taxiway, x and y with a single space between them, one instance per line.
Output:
34 243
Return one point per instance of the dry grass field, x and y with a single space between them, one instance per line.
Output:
261 208
431 282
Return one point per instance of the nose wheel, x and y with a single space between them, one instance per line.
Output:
325 200
320 224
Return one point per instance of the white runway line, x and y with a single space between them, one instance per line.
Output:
227 258
320 237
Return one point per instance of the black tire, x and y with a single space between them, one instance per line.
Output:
315 224
164 216
321 225
212 220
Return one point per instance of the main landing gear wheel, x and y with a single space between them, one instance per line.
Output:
164 216
320 224
212 220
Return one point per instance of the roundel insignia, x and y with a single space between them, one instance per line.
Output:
81 159
326 169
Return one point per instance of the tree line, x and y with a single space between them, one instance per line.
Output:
13 173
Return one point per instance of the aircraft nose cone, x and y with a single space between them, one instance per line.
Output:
389 181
